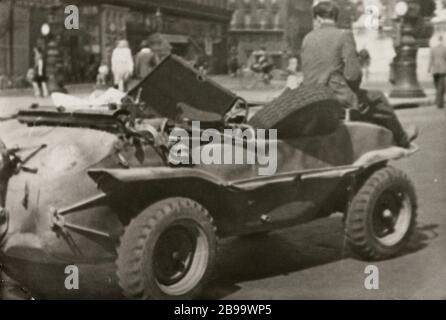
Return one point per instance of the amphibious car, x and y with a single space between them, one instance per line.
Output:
95 184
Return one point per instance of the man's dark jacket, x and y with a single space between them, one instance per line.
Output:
329 57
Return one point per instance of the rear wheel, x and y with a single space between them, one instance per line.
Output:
167 252
382 215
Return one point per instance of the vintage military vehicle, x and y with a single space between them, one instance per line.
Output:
96 184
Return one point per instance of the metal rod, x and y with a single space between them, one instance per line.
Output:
85 229
81 204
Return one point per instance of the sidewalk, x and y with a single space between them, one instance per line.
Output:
381 83
78 88
260 94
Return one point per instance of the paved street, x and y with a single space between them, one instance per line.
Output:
311 261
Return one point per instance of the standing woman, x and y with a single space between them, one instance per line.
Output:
122 65
40 78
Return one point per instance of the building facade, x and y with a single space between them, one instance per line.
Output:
277 26
195 29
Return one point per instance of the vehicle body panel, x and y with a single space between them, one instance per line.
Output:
81 176
67 211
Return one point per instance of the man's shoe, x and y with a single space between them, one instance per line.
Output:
412 132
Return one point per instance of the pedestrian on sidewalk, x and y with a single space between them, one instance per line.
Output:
145 60
233 63
102 76
40 78
437 66
122 65
364 61
266 65
292 81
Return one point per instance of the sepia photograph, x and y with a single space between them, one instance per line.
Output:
245 151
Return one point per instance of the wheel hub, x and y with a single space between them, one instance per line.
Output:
391 217
173 255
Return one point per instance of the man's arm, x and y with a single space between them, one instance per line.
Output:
352 68
431 61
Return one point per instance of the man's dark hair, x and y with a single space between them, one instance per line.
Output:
326 10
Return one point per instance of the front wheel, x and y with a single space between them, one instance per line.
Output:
382 215
167 251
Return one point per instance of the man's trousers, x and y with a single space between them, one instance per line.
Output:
439 81
378 110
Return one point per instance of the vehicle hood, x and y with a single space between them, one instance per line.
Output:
174 89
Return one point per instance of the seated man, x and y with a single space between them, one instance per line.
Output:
329 58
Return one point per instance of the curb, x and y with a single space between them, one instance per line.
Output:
276 86
73 88
401 103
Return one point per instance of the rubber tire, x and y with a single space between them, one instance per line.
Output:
4 161
305 111
138 242
6 171
358 230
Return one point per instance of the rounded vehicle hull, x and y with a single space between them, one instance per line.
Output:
59 181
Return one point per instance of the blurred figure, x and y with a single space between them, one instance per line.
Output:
264 65
267 66
30 73
122 65
39 80
437 66
251 62
202 65
292 80
102 76
160 46
233 63
145 61
364 62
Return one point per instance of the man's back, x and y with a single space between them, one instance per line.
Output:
329 57
329 52
438 59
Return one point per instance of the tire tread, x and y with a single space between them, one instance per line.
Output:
132 243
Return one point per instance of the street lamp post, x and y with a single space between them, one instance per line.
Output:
405 63
11 38
159 21
54 71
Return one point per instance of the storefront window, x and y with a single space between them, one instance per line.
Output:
247 20
80 50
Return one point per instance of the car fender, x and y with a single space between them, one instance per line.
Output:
104 176
154 174
383 155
